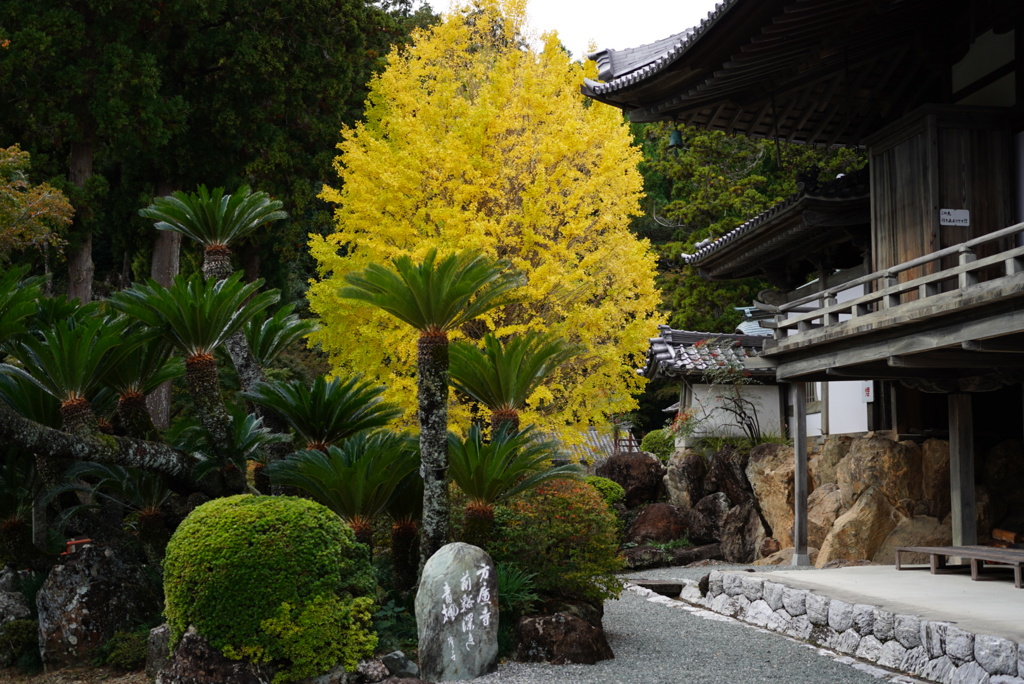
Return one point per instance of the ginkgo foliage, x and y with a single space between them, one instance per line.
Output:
473 140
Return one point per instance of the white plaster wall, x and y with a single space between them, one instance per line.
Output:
708 400
847 411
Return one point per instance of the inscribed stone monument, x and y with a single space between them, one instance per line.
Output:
457 614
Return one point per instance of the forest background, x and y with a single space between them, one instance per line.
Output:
117 105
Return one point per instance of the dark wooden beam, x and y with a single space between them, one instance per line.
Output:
961 470
993 346
957 359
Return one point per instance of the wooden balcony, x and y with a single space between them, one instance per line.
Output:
924 313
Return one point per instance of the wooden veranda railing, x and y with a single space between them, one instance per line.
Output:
885 290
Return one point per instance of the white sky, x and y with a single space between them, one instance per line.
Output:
616 24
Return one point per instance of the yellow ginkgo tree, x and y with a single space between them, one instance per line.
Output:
474 140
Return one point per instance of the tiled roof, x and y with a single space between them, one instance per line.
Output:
853 185
622 68
683 353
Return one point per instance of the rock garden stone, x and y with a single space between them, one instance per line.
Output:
85 600
643 557
716 581
13 606
995 654
859 532
196 662
640 474
935 477
799 627
560 639
684 480
885 624
824 505
770 474
847 642
959 645
742 534
933 637
732 583
817 609
907 630
372 670
919 530
695 554
870 648
892 467
157 649
400 666
892 655
753 588
864 619
758 613
822 465
657 522
971 673
727 474
840 615
705 519
794 601
457 614
772 592
938 669
915 660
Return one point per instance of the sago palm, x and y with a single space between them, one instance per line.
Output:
69 361
268 338
434 296
146 367
328 411
17 301
355 479
196 316
502 376
214 220
490 472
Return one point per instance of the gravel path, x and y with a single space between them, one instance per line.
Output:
656 643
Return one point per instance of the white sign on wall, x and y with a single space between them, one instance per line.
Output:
954 217
867 391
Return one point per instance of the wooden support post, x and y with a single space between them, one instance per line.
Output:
961 470
799 395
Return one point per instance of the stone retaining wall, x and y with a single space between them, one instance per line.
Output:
934 650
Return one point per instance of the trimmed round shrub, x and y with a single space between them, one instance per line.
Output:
273 580
661 443
610 490
564 534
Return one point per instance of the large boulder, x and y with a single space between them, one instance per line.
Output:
705 519
96 592
657 522
727 474
920 530
785 557
858 533
457 614
824 505
822 466
684 479
742 534
195 661
770 472
639 473
559 639
935 477
892 467
13 606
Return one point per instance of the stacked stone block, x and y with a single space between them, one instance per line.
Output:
934 650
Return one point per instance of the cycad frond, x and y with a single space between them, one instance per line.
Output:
355 479
270 337
195 315
502 376
25 397
146 366
327 412
69 360
211 217
435 295
512 462
245 440
17 301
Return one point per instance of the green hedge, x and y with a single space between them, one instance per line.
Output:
272 579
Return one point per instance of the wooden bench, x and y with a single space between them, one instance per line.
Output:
977 555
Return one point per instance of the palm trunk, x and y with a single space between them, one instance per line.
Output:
204 386
217 262
133 418
432 399
164 267
479 523
403 554
504 419
17 430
